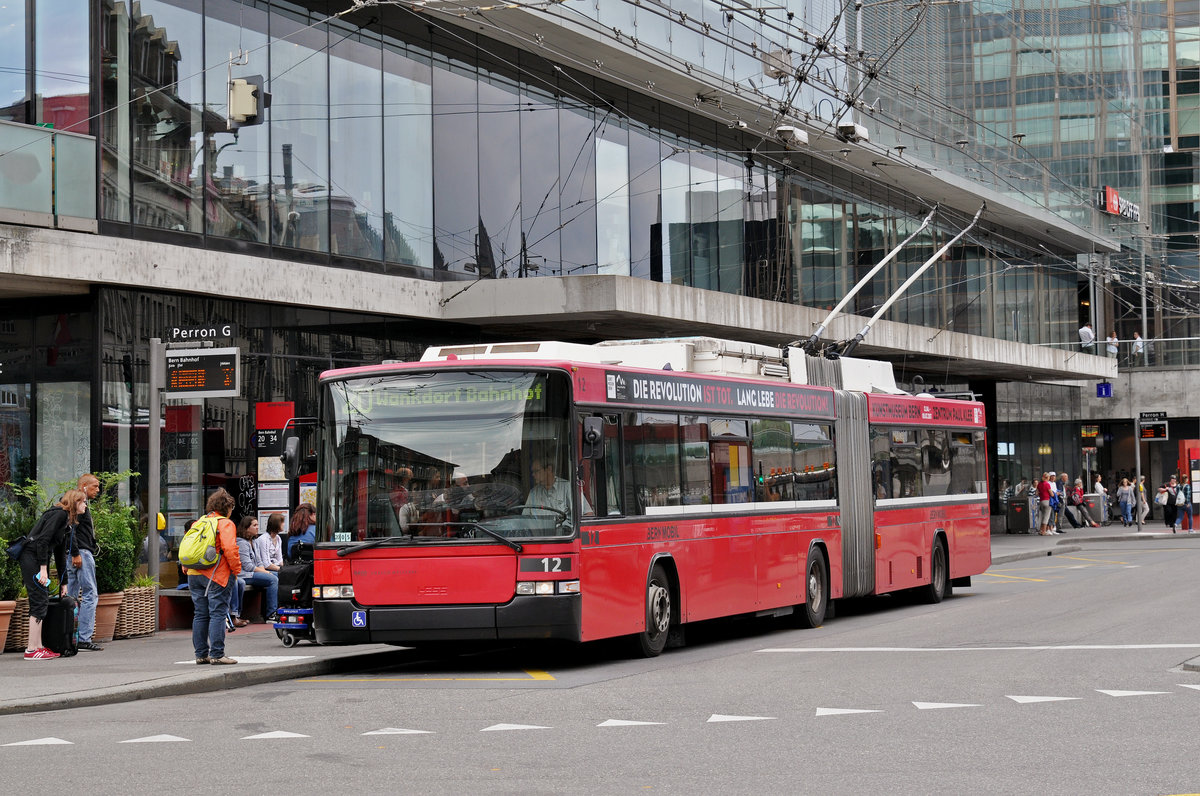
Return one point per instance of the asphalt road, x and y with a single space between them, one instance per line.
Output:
1055 675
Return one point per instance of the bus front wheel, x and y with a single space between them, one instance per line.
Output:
653 639
816 590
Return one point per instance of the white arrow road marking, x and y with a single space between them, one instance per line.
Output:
941 705
1189 685
1130 693
276 734
158 739
718 717
398 731
842 711
1027 700
42 742
625 723
502 727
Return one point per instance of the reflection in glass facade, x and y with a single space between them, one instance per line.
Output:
427 150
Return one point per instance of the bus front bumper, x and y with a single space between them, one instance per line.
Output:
525 617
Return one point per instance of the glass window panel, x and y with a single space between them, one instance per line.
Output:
676 243
62 75
652 456
695 488
539 185
772 459
577 176
167 111
731 225
612 202
12 62
645 229
64 430
499 240
731 476
814 461
114 122
408 161
356 135
238 183
299 132
456 168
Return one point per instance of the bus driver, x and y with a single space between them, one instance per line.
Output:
550 491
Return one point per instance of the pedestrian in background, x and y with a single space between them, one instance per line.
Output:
1183 504
1139 345
81 569
1064 492
1087 338
1125 498
1080 504
210 588
1143 504
1101 490
1044 493
1166 499
1111 344
51 535
303 528
255 572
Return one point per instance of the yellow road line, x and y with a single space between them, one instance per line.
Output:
534 674
1014 577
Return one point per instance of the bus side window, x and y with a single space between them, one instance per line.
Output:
601 478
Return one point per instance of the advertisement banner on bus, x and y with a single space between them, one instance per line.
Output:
712 395
887 409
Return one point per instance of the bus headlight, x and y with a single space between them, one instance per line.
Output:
333 592
545 587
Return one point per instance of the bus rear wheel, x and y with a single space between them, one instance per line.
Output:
653 640
939 576
816 591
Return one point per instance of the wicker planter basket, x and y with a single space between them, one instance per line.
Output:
18 627
136 617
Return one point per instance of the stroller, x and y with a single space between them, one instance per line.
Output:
294 617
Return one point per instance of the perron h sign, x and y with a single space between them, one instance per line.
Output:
203 373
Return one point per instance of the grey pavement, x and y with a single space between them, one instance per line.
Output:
163 664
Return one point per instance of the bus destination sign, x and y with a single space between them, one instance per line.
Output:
714 395
203 373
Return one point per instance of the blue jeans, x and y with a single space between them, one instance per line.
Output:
235 597
1127 513
81 584
269 583
211 605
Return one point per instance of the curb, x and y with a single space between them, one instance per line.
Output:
1004 559
1075 545
197 683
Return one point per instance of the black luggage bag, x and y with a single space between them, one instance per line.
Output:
295 585
59 632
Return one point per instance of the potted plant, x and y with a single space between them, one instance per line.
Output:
115 524
138 615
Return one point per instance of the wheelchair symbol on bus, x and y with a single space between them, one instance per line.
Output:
358 618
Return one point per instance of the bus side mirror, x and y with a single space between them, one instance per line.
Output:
593 438
291 457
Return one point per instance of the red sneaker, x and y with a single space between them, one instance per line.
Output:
40 654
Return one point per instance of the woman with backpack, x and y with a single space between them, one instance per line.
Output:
210 584
1167 499
1183 504
51 535
1044 493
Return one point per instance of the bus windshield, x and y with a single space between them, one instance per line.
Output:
447 454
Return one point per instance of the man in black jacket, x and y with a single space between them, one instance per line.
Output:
81 571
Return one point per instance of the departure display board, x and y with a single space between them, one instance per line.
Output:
203 373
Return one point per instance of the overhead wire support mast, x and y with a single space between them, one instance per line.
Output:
810 345
858 338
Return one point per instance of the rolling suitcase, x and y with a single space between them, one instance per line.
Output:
59 633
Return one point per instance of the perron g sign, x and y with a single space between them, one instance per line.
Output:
203 373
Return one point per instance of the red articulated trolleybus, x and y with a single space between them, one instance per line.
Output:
580 492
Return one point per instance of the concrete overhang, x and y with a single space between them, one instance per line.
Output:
45 262
588 308
599 54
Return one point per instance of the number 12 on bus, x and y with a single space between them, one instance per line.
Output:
540 491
